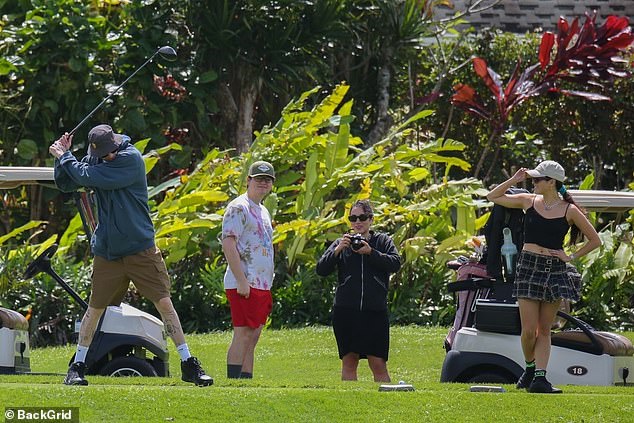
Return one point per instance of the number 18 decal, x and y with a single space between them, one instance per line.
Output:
577 370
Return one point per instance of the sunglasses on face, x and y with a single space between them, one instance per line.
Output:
361 217
262 179
541 178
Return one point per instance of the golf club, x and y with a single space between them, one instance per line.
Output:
166 52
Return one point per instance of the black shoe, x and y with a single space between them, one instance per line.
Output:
191 371
525 380
75 375
541 386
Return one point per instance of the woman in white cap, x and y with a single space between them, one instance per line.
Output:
541 280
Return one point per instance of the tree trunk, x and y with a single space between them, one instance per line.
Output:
227 112
246 108
383 120
485 152
236 101
227 105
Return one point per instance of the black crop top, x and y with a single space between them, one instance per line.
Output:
547 233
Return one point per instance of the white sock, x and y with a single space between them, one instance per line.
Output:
183 351
80 355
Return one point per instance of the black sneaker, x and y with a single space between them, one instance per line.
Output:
75 375
191 371
541 386
525 380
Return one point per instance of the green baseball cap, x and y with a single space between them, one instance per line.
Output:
262 168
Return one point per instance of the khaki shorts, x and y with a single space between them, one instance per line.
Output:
111 278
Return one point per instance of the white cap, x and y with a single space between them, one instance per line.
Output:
548 168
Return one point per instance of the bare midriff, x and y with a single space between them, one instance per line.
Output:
537 249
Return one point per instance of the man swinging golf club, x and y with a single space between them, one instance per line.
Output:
123 242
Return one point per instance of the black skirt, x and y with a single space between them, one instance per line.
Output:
362 332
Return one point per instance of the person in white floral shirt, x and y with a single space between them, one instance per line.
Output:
247 242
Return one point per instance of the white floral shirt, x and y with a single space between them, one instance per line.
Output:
250 224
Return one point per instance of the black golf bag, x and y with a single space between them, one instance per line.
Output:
487 278
500 218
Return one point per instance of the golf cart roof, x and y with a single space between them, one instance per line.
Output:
591 200
13 177
604 201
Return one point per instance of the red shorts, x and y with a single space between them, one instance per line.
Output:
252 311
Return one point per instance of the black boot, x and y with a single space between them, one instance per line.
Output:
527 377
191 371
541 386
75 375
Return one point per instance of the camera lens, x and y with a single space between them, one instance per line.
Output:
356 242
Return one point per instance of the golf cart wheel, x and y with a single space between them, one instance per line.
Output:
490 377
128 367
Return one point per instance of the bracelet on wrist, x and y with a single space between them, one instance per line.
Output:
572 256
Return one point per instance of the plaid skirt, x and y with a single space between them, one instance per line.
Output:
545 278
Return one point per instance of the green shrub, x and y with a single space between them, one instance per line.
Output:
608 287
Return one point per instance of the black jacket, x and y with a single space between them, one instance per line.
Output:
363 280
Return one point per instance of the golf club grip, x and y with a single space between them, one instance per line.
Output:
89 212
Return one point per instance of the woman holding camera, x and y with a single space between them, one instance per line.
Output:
364 260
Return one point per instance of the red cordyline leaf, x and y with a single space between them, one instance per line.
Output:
548 40
565 35
620 42
510 86
490 78
586 95
464 94
591 60
619 73
613 25
588 31
592 53
466 98
562 26
523 88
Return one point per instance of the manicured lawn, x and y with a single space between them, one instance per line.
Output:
297 379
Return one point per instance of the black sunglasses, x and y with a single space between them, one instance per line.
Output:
541 178
262 178
361 217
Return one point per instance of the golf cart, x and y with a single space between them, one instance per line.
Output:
127 342
14 342
484 344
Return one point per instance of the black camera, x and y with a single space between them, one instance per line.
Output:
356 241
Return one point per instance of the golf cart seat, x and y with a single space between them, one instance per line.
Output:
603 343
12 320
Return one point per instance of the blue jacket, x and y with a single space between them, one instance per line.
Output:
124 224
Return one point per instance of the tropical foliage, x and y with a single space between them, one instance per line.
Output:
608 277
321 172
388 134
583 55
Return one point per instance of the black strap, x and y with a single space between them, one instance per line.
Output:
471 284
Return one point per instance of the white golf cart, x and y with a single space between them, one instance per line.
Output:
484 346
128 341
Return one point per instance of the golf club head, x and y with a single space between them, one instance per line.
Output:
167 53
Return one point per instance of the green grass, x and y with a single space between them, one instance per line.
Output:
297 379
